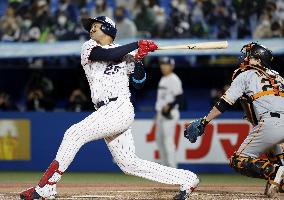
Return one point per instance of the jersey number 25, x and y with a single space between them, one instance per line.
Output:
111 69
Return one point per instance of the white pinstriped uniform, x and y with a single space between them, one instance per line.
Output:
269 131
106 79
113 123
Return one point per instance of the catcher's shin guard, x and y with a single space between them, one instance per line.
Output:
275 156
256 168
47 185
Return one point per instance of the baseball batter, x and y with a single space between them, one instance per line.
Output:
107 67
168 99
262 94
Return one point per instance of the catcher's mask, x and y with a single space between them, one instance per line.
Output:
255 50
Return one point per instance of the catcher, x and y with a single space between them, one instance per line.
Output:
261 90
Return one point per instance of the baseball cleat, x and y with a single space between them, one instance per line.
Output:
30 194
281 189
274 186
184 194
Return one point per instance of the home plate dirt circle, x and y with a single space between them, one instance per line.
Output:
143 192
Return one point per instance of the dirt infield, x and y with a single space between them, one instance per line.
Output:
141 191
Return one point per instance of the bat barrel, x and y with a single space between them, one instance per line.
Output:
198 46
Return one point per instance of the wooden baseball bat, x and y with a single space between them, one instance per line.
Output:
197 46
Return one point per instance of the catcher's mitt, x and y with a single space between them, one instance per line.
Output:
194 129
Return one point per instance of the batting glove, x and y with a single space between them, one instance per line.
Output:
145 46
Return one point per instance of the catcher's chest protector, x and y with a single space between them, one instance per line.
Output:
247 101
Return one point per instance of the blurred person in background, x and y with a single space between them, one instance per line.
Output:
42 21
145 18
6 104
263 29
10 26
39 93
38 80
78 30
162 25
126 27
70 10
222 19
271 9
64 28
129 5
247 14
26 27
277 29
279 14
197 21
78 101
101 9
38 101
169 97
180 19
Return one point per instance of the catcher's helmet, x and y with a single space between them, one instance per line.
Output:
108 26
258 51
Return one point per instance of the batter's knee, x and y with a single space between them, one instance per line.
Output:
71 129
71 133
252 167
128 164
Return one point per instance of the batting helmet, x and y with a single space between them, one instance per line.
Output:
258 51
108 26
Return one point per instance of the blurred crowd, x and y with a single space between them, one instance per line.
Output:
59 20
39 95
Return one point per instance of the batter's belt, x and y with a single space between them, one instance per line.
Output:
102 103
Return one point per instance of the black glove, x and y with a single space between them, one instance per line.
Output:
167 113
138 77
194 129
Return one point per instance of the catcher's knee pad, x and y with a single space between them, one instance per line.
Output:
256 168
